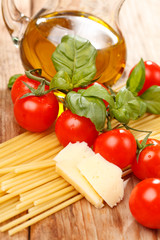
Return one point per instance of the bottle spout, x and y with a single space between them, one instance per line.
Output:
116 11
15 21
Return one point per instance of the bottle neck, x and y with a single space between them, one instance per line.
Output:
116 11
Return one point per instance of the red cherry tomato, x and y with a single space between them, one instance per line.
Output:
152 76
144 203
36 113
19 88
117 146
72 128
148 165
95 83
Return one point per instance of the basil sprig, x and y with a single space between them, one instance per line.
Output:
74 61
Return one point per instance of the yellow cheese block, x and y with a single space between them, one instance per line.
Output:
104 177
66 165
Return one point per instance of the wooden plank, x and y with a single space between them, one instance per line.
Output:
140 25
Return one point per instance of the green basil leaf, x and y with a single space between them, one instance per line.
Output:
98 91
151 97
13 79
136 80
89 107
61 81
127 106
76 56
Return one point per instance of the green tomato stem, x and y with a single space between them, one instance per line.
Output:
137 130
39 79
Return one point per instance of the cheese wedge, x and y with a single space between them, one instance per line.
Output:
66 166
104 177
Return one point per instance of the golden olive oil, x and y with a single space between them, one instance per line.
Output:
44 33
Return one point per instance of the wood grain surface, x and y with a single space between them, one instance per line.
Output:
140 25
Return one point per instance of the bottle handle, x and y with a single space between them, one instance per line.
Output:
15 21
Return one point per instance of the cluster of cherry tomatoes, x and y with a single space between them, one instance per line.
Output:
37 113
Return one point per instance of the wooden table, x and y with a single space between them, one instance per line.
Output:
81 221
